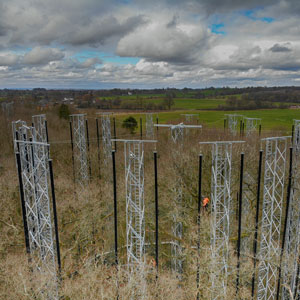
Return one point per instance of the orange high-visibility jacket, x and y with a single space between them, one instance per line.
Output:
205 201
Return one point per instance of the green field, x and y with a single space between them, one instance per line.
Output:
271 118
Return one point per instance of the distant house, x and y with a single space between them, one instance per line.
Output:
295 107
129 94
68 100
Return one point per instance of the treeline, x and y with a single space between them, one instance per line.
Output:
138 103
250 102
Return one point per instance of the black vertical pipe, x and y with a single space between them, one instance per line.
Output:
115 133
47 136
285 220
115 205
72 146
243 130
25 225
141 128
259 130
98 145
241 127
224 125
54 214
256 221
156 210
199 223
88 145
157 124
240 224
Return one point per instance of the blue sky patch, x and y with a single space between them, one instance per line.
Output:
218 28
251 15
105 57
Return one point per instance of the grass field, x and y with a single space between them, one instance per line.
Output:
271 118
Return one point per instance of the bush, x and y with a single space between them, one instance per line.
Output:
130 123
64 112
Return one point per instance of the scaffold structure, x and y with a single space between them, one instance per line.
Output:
32 162
135 213
251 125
232 122
81 168
149 126
106 136
220 215
273 191
39 122
290 261
190 117
177 135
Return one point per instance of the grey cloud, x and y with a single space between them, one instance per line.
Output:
90 62
161 42
7 60
98 31
41 56
281 48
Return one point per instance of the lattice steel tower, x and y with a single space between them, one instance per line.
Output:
291 253
232 122
251 125
149 126
40 124
106 136
220 216
177 135
135 214
269 252
81 168
190 117
34 173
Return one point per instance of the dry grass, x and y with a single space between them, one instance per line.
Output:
86 222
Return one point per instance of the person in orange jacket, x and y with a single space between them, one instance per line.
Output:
205 203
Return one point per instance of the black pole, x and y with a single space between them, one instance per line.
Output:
98 146
46 127
25 225
256 222
115 205
47 136
240 224
199 223
141 128
224 125
156 211
243 129
54 214
88 146
115 133
259 130
72 146
285 220
157 124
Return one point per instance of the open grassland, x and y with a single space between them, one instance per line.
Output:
271 118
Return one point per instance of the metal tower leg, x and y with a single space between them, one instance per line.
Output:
80 150
34 173
291 253
135 213
40 125
269 252
106 137
149 126
220 217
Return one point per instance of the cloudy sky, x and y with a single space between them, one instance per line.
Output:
146 44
